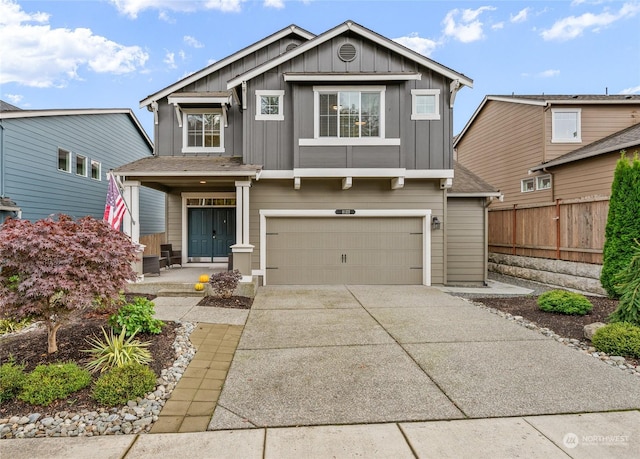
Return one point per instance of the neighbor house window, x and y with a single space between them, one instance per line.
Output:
425 104
565 125
269 105
543 182
349 112
81 165
527 185
95 170
202 132
64 160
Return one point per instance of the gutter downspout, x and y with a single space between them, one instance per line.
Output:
1 160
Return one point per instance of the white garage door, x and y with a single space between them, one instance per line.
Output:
344 250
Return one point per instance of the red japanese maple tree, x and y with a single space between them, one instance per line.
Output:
53 269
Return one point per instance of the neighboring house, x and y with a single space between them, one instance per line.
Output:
317 160
56 161
553 158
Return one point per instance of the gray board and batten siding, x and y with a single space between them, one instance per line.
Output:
466 243
275 144
33 181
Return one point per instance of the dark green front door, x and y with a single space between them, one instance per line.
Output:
211 232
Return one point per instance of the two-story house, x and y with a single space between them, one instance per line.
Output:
553 158
56 161
316 160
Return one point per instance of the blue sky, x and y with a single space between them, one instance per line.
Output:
113 53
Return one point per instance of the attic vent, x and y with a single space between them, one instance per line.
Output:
290 46
347 52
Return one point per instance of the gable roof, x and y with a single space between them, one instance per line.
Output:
628 137
6 107
362 31
542 100
468 184
290 30
17 114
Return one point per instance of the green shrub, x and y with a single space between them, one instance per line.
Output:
136 317
627 285
10 325
564 302
116 351
53 382
12 378
619 338
120 384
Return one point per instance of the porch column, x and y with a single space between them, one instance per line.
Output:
242 250
131 222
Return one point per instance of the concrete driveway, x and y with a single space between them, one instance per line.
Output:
375 354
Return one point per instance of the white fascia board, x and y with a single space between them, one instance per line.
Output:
176 100
226 61
355 173
235 173
323 213
516 100
391 76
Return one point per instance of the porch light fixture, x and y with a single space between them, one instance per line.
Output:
203 181
435 223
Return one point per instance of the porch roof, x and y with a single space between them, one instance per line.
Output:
188 166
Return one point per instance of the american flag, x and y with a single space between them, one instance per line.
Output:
115 206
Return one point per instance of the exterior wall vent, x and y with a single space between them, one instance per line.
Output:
290 46
347 52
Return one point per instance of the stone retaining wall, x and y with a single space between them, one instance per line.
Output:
567 274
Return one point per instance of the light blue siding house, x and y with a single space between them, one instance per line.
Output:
56 161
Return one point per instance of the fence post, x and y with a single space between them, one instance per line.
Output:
557 219
515 227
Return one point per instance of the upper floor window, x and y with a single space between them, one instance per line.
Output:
269 105
96 170
349 112
543 182
425 104
81 165
565 125
527 185
202 131
64 160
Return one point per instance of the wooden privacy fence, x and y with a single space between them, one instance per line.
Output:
571 230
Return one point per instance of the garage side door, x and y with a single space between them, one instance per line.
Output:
466 246
344 250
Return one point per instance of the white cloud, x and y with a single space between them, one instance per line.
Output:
191 41
573 26
424 46
13 98
464 25
278 4
170 60
544 74
132 8
497 26
521 16
632 90
34 54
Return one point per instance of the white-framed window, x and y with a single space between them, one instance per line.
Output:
349 112
527 185
425 104
202 131
543 182
64 160
565 125
96 170
81 165
269 105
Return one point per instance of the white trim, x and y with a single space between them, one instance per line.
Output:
85 164
578 137
355 173
177 99
99 164
266 92
69 156
522 187
391 76
353 141
415 93
539 178
425 214
480 194
231 173
344 27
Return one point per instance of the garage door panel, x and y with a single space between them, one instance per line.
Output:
344 250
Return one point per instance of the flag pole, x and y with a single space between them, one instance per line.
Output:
120 187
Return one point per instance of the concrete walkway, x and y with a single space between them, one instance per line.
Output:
378 371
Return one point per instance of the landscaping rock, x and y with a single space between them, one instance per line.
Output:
590 330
